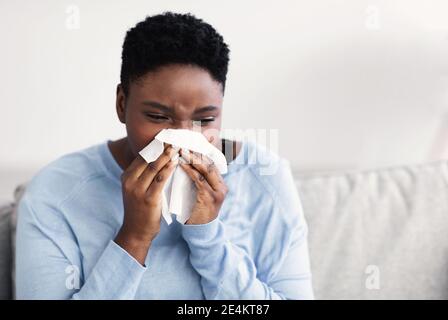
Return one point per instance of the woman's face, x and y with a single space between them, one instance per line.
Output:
174 96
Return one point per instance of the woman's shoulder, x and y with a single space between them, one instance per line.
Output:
62 176
263 163
269 173
271 202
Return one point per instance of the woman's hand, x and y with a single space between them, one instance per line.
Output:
211 189
142 187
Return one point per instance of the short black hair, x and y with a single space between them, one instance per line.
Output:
169 38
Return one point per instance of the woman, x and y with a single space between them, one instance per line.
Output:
89 224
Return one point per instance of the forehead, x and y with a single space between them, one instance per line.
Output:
178 84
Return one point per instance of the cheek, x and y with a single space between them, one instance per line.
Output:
140 132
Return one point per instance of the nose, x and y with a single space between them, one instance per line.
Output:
185 124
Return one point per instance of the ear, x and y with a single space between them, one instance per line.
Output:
120 104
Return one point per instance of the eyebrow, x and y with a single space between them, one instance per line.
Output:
205 109
169 110
159 106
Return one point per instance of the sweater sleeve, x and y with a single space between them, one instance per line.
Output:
227 272
49 265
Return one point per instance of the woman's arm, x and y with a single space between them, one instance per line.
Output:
48 260
228 272
48 257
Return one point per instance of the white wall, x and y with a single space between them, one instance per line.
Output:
350 84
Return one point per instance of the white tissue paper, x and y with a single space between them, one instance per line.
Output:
179 194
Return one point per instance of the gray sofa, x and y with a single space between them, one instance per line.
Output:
379 234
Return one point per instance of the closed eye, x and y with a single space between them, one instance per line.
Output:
206 120
157 117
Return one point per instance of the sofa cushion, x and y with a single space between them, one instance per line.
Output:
5 252
380 234
18 193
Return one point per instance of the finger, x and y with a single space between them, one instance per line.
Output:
199 180
135 169
157 184
154 167
164 157
206 167
138 166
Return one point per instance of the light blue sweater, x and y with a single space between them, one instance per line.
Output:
72 210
